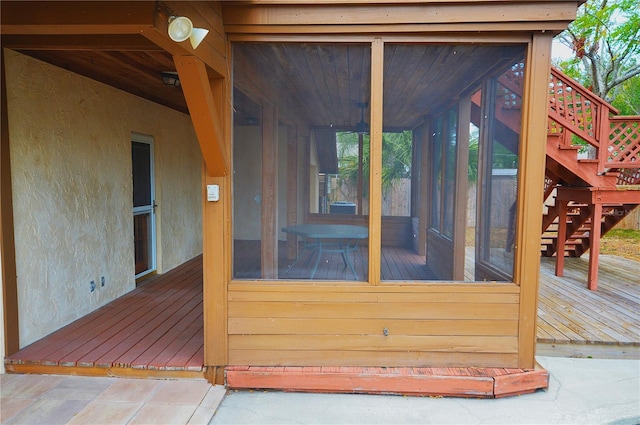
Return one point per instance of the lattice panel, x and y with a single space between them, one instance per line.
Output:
571 109
628 176
510 86
624 142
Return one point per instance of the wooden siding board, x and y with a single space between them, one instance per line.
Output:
369 358
380 342
386 310
411 287
346 326
372 297
275 323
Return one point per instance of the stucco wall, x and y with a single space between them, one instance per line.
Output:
70 141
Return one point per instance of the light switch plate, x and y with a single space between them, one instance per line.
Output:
213 192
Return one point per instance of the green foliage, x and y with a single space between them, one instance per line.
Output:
396 157
632 235
605 39
627 100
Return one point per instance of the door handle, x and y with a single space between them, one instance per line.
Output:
154 206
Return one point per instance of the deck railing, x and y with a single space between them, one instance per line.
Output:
624 142
578 114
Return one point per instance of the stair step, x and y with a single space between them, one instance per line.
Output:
588 161
569 148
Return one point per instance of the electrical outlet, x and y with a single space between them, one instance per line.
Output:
93 285
102 281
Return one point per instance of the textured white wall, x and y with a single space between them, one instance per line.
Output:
70 141
247 178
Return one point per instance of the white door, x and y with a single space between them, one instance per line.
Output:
144 223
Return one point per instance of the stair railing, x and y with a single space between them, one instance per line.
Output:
623 150
575 111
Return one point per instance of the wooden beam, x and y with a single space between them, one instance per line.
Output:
92 42
461 187
81 18
530 191
250 14
269 204
211 58
76 17
7 241
197 92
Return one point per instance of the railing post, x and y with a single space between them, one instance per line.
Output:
602 137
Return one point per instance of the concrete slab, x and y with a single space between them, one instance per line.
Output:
581 391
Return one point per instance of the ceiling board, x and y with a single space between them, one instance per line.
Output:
326 82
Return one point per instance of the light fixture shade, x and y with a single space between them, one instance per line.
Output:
197 35
180 28
170 78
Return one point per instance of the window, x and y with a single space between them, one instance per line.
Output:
301 155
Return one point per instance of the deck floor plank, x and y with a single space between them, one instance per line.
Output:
146 333
159 324
85 342
153 309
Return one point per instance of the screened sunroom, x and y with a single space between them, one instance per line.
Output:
447 160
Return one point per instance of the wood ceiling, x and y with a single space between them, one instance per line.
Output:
324 85
138 72
312 83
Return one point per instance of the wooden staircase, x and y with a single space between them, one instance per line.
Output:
584 197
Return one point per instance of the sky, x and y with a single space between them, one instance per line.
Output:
560 51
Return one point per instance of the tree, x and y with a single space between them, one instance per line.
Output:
396 157
604 38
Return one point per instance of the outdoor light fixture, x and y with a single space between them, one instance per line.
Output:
181 28
170 78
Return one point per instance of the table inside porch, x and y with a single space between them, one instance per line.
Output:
324 238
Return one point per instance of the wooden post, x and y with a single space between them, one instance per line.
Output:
562 236
423 212
360 166
461 187
7 241
292 189
594 245
375 161
216 248
269 203
531 189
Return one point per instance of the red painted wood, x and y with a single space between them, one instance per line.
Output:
459 382
594 246
562 237
160 320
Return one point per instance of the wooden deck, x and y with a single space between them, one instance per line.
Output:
397 264
157 329
576 322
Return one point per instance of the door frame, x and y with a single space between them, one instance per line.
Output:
147 139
